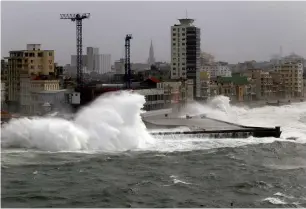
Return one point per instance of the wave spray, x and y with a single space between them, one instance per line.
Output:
111 123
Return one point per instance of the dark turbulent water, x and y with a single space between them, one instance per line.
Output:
262 175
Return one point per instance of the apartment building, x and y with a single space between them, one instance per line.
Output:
263 82
292 76
34 61
205 84
185 52
218 69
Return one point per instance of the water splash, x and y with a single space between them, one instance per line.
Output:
111 123
291 118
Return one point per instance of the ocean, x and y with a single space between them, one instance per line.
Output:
107 158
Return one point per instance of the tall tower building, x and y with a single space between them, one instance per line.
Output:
151 59
185 52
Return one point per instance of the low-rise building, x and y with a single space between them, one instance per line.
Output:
237 88
154 98
37 91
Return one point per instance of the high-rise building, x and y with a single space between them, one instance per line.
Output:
185 52
92 53
102 63
151 59
32 61
93 61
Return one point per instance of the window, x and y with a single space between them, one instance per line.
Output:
32 61
183 29
174 44
40 54
50 53
183 34
174 34
173 39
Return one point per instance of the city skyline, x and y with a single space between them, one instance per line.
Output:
265 27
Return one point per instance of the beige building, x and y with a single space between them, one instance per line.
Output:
292 76
205 84
32 61
263 83
31 87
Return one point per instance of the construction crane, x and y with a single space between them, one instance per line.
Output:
128 61
78 18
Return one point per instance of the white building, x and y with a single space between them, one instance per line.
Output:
185 52
219 69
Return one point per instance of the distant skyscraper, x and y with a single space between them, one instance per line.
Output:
186 52
151 59
102 63
93 61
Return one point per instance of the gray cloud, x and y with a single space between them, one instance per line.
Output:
232 31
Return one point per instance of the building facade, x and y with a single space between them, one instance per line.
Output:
292 75
32 61
3 95
205 85
185 52
32 89
218 69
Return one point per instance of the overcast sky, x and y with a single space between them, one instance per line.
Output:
231 31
